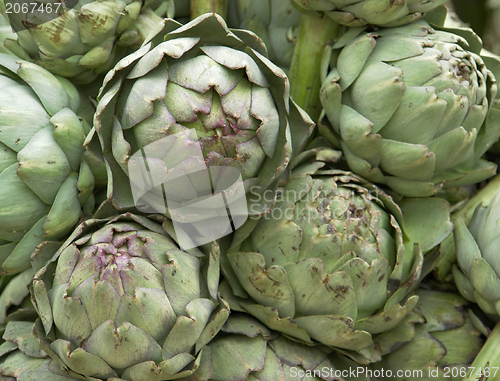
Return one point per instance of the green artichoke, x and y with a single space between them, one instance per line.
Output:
245 349
162 126
444 341
332 262
45 176
140 308
386 13
477 275
83 39
275 21
409 107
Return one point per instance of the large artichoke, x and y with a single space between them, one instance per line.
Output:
46 183
376 12
118 300
332 262
409 107
157 113
84 38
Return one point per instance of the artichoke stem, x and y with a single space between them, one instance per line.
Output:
487 361
200 7
314 34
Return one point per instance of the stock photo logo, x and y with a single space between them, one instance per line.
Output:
27 14
204 202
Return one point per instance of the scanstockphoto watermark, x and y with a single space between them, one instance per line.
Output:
311 205
170 177
327 373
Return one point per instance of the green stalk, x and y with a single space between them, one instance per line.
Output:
447 247
314 34
487 360
200 7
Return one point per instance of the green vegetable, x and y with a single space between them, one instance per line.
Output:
444 341
119 300
45 178
235 118
333 261
84 41
477 274
409 107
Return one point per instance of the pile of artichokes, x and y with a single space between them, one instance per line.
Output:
227 190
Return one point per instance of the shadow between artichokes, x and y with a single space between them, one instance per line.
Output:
333 262
120 301
408 106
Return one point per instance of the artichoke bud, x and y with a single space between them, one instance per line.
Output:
79 42
43 138
135 299
340 260
436 120
193 146
441 337
256 352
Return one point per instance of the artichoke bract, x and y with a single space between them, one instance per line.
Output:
332 262
444 341
386 13
477 275
139 307
46 182
409 105
81 39
164 127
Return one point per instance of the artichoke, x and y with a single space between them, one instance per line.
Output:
332 262
164 128
140 308
409 107
45 177
444 341
387 13
276 22
245 349
478 271
82 39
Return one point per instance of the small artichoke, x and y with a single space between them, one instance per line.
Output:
332 262
236 118
477 275
444 341
139 307
83 39
409 107
387 13
46 180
